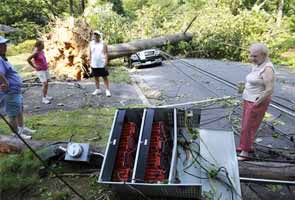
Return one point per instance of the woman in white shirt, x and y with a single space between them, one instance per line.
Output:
257 96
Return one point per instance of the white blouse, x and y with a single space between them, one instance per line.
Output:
255 86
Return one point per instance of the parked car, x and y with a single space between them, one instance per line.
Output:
145 57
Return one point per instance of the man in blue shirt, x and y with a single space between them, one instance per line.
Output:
10 90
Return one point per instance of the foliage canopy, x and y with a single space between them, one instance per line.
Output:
223 29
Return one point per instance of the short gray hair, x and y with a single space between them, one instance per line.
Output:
260 47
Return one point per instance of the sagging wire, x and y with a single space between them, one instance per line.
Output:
273 103
275 149
189 76
209 121
215 173
265 124
210 173
40 159
134 189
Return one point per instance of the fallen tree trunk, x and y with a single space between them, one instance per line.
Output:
259 170
267 170
125 49
14 144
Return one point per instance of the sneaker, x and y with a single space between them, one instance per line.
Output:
26 137
108 93
45 101
28 130
96 92
49 98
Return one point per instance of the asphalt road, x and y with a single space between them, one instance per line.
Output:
174 83
178 83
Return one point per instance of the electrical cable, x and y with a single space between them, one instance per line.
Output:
40 159
213 120
134 189
277 105
190 77
195 160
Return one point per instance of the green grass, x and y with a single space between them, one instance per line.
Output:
18 171
119 74
86 125
20 63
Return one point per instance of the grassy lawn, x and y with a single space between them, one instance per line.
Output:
19 172
86 125
21 65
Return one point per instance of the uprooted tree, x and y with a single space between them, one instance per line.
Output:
66 47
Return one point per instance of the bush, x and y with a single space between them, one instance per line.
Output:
25 30
103 18
14 170
24 47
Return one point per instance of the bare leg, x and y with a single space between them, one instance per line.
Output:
106 82
96 82
13 122
20 120
45 88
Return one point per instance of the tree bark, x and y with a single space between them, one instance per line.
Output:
267 170
82 5
260 170
71 7
126 49
258 7
280 13
16 145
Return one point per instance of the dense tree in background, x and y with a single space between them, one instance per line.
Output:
118 6
222 27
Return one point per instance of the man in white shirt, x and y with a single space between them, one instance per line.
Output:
98 61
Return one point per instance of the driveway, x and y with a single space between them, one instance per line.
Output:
174 82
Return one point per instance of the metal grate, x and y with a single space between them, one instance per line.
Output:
149 53
167 191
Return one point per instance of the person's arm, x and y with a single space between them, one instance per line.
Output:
4 83
105 51
89 53
268 79
29 59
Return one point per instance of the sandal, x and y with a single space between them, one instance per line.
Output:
240 158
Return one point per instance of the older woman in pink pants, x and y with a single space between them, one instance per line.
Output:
257 96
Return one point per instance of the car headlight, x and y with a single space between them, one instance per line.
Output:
133 57
157 52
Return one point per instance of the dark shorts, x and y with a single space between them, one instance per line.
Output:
97 72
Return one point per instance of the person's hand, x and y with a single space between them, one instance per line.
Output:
241 87
3 87
258 101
